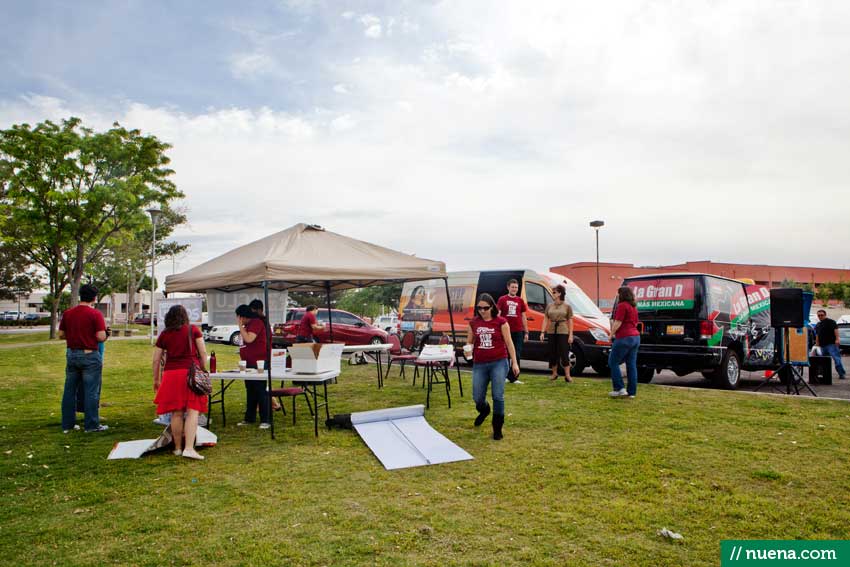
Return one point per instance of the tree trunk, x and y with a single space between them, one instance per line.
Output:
77 276
112 298
54 309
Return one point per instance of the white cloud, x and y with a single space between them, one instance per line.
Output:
251 65
372 26
690 128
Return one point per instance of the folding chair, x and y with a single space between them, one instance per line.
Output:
401 351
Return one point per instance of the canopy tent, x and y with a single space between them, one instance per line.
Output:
307 257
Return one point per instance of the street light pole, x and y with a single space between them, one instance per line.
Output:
154 212
596 225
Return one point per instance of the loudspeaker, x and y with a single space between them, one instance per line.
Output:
786 308
820 370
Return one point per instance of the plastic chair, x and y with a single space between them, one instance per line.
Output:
401 351
290 392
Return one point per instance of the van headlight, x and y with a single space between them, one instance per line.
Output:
600 335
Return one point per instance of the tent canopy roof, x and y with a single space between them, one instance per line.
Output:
306 258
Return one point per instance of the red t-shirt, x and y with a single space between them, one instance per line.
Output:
81 325
305 327
489 343
512 308
252 352
628 316
175 343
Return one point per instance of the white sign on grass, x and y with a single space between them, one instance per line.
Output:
194 306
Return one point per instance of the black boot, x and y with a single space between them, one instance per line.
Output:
498 422
483 411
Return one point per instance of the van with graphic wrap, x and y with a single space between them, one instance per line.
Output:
422 310
703 323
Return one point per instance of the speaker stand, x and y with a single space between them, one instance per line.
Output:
792 373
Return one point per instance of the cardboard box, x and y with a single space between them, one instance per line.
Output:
312 358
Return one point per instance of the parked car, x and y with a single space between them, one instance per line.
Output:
144 319
389 323
224 334
13 316
423 311
348 328
844 337
32 317
703 323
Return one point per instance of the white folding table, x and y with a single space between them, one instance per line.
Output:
375 352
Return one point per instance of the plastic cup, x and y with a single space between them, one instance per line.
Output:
261 365
467 350
242 366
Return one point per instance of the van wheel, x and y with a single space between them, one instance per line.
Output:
728 374
645 374
577 361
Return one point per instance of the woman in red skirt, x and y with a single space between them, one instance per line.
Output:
181 343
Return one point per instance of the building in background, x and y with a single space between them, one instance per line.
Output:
611 275
113 312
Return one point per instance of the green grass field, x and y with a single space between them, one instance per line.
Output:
579 479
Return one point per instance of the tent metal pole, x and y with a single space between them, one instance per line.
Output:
268 356
454 338
330 317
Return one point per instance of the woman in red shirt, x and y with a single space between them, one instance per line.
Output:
625 340
492 348
253 349
180 342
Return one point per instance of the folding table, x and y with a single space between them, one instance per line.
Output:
373 351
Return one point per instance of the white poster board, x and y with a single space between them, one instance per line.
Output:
194 306
221 305
401 438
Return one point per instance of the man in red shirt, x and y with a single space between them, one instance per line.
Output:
308 326
83 329
512 307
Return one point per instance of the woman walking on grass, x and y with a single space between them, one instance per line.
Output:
493 356
181 343
558 325
625 340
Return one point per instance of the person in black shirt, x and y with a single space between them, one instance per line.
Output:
827 339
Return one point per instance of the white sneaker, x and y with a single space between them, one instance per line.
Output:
265 425
621 393
243 423
100 427
76 428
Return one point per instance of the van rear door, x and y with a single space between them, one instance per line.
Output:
496 282
669 309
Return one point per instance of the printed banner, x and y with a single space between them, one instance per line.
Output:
659 294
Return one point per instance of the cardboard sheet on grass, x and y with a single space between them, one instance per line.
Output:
135 449
401 438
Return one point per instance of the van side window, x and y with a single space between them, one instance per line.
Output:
725 297
535 297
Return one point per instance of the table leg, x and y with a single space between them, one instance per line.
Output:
380 369
316 413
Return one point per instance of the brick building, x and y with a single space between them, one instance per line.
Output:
611 275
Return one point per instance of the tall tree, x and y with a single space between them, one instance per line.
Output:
67 190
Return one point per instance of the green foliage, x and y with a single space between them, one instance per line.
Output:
16 277
68 191
64 301
845 297
370 301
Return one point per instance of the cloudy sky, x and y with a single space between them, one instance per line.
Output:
486 134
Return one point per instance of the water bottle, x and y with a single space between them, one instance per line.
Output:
212 362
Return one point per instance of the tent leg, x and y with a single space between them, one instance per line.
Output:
454 344
330 317
268 358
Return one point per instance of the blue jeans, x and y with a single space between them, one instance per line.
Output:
519 341
85 369
493 373
625 349
833 351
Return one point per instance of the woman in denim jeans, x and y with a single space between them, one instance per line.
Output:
625 340
490 338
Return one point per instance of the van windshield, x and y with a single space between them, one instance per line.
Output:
581 304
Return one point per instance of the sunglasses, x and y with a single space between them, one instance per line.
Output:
482 307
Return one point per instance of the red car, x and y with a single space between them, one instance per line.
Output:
348 328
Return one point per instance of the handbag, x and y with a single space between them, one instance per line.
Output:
198 379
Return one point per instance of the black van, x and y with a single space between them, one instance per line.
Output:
703 323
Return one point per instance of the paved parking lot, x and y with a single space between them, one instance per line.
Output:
749 380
